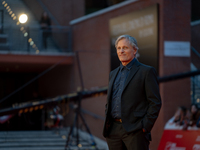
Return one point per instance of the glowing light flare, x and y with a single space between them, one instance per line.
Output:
26 110
37 51
36 107
21 111
25 34
22 28
31 43
63 136
31 109
29 40
23 18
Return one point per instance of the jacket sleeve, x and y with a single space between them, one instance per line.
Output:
153 98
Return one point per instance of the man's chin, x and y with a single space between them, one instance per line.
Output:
123 61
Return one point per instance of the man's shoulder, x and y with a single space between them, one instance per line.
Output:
145 67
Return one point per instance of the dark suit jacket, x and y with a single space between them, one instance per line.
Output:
140 101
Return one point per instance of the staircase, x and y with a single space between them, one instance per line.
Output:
45 140
16 42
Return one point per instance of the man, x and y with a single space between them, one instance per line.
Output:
133 101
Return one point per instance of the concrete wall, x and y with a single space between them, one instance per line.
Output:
91 40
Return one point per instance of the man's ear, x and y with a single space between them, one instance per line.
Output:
135 51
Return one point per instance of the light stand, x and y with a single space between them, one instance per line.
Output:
78 114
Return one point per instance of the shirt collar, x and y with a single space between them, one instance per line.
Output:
128 66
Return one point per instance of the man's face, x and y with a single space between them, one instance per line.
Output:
125 51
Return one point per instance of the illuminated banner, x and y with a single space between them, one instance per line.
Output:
180 140
175 138
142 25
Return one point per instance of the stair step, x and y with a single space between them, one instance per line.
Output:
52 148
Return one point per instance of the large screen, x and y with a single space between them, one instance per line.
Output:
143 25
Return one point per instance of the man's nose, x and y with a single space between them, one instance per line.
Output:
121 50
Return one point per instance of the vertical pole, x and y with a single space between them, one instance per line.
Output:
79 69
2 18
69 39
28 36
193 89
43 119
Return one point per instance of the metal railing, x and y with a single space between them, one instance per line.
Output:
31 38
195 83
196 90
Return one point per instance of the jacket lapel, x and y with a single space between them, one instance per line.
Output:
133 71
112 82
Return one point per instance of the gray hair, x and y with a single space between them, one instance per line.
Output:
130 39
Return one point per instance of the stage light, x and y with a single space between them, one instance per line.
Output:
3 2
23 18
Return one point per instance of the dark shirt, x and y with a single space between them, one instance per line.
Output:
118 89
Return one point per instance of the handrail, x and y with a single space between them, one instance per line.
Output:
84 94
24 107
195 51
